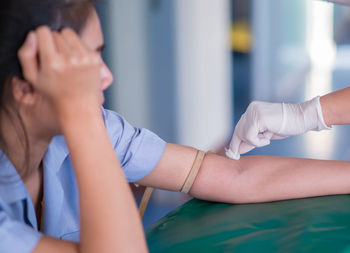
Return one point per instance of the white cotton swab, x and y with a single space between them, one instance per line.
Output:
231 155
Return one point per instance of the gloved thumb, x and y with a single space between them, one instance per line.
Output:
237 147
233 151
263 141
242 148
245 147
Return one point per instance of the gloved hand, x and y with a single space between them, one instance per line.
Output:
264 121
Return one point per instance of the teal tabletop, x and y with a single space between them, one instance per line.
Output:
319 224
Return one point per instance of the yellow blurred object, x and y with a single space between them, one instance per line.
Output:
241 37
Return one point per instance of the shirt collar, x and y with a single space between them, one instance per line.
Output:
12 188
56 153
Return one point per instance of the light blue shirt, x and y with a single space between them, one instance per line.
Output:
138 150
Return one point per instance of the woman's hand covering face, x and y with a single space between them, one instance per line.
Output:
61 67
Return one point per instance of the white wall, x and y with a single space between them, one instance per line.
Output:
279 57
199 69
127 30
203 72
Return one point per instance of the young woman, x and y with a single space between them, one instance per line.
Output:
66 161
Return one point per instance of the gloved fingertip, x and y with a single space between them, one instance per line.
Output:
231 155
245 147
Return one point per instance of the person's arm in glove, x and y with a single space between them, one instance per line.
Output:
336 107
264 121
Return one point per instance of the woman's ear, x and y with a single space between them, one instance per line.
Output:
23 91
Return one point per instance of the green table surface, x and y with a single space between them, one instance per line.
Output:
319 224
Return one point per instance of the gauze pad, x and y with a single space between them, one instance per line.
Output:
232 155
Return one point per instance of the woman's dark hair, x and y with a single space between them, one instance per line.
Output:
17 19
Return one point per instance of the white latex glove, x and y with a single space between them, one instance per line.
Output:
264 121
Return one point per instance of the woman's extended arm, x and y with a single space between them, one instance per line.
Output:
250 179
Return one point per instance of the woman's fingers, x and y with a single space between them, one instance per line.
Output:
43 46
62 47
73 41
27 56
46 44
60 66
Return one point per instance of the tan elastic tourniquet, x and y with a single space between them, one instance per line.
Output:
144 201
193 172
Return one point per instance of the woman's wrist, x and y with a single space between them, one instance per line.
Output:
77 112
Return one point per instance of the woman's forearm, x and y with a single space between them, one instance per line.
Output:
109 217
276 178
268 178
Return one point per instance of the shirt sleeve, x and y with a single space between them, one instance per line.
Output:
16 236
138 149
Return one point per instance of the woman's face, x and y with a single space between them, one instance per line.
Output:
92 36
41 118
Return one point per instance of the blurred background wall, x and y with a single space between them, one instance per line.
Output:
187 69
173 68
